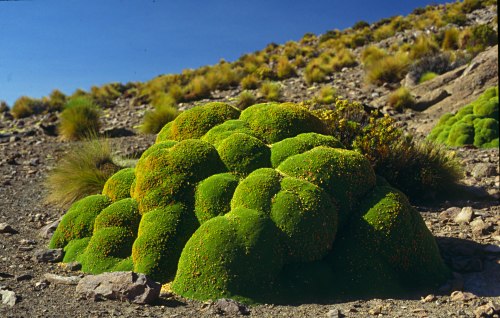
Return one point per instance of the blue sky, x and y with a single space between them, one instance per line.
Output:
65 44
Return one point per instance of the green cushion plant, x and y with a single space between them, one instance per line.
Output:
257 206
474 124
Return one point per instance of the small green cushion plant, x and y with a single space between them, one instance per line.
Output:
474 124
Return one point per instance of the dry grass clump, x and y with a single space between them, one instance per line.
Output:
389 69
245 99
271 91
82 171
26 106
401 99
285 69
155 119
79 119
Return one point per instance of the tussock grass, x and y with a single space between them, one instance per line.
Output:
155 119
401 99
271 91
79 119
81 172
245 99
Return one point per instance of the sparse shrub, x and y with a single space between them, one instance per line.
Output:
474 124
383 32
421 170
265 72
427 76
56 101
81 172
250 81
423 46
401 99
455 17
284 68
245 99
360 25
438 63
314 73
4 108
25 106
155 119
329 35
468 6
372 54
327 95
483 36
196 89
79 119
450 40
271 91
106 95
389 69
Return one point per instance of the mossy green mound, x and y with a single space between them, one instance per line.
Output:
299 144
243 154
117 187
274 122
115 230
197 121
217 134
78 222
474 124
236 255
262 208
303 212
162 235
213 196
345 175
386 245
169 174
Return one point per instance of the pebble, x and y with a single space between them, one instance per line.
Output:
334 313
465 216
9 297
487 310
62 280
6 228
428 298
462 296
49 256
375 311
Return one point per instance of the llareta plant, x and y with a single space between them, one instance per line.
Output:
258 205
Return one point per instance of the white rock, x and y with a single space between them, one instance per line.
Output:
465 216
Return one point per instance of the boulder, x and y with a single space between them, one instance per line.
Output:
123 286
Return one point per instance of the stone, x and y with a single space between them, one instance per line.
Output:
487 310
334 313
73 266
123 286
428 298
230 307
479 227
49 256
483 170
429 99
41 285
465 216
6 228
375 311
62 280
48 230
9 297
462 296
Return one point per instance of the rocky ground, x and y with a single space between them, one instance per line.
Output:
467 228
